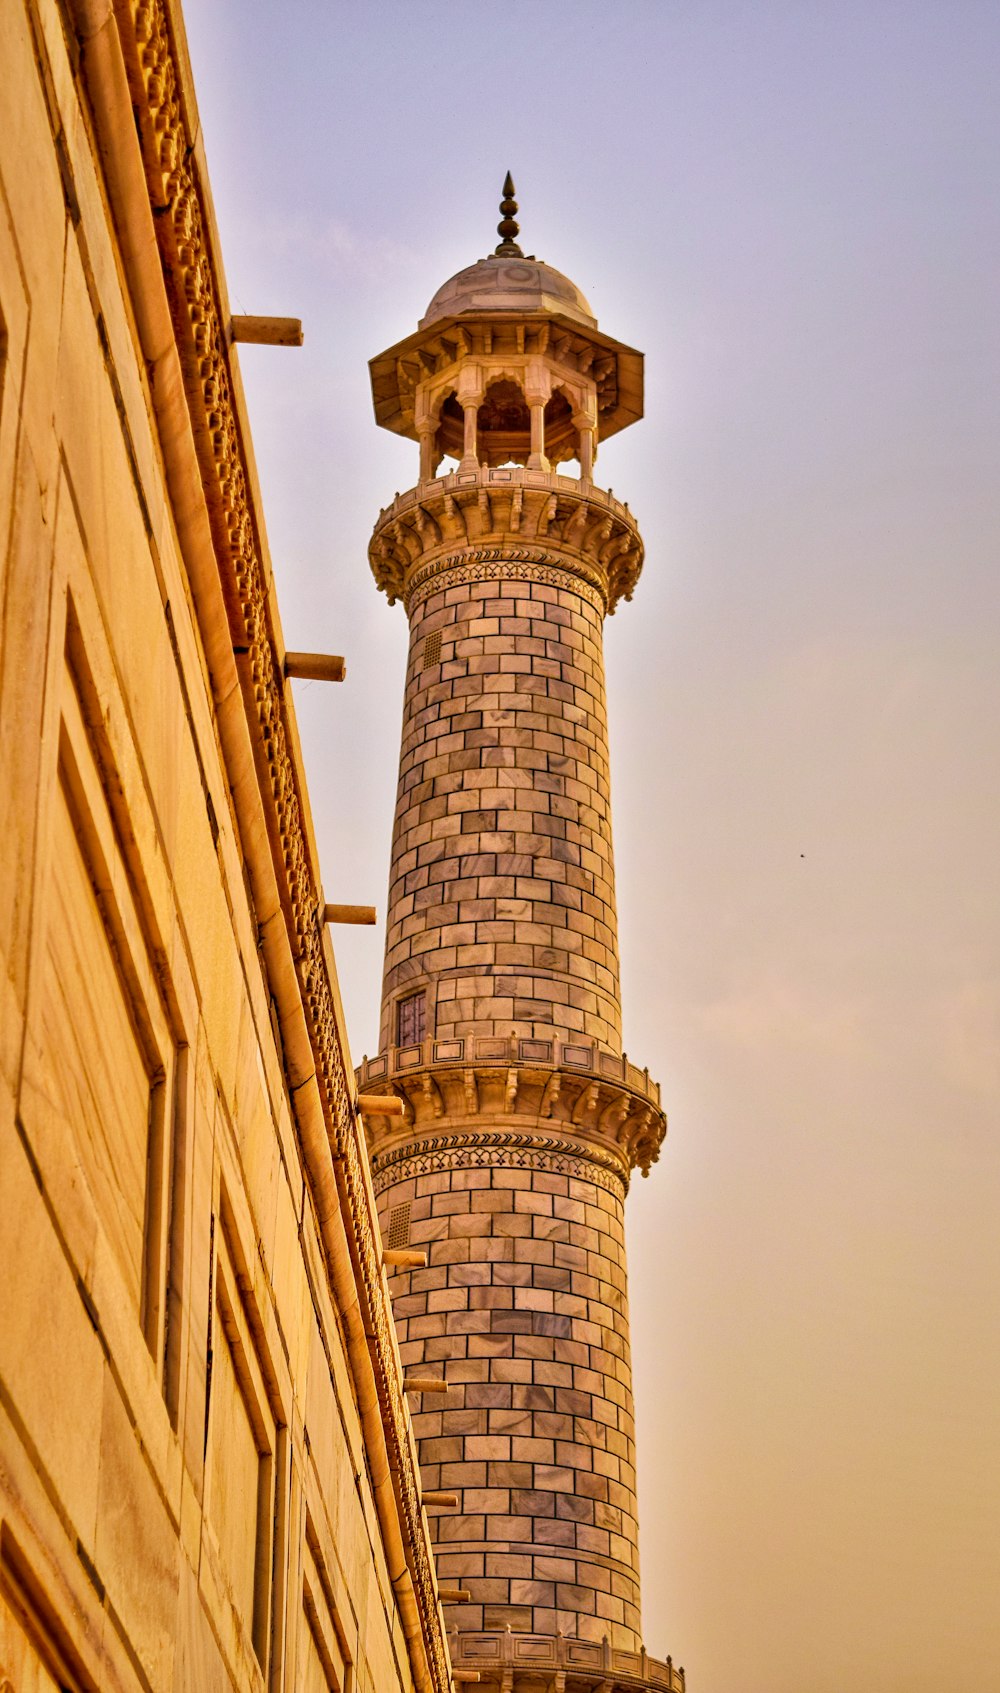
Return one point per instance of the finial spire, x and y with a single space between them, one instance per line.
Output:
507 228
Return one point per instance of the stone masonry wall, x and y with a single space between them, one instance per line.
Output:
523 1306
501 903
185 1501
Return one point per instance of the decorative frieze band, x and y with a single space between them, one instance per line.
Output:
497 564
497 1149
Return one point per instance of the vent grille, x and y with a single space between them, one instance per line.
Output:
399 1228
432 649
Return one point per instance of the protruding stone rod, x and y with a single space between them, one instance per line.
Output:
425 1384
404 1258
434 1496
454 1595
350 914
268 331
316 667
380 1104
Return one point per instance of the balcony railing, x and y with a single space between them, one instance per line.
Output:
574 1056
587 1661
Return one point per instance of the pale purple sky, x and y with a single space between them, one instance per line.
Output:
793 209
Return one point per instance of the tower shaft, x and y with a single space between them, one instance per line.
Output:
501 900
500 1043
501 1032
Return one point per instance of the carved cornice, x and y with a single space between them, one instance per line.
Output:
192 287
517 1116
534 524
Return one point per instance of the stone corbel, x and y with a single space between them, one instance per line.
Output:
433 1093
585 1101
614 549
575 527
551 1094
426 525
614 1115
398 1093
546 515
471 1092
510 1091
455 513
633 1127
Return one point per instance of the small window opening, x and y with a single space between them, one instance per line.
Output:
411 1020
432 649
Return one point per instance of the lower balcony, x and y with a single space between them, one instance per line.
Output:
545 1663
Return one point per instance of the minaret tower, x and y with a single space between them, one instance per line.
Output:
501 1043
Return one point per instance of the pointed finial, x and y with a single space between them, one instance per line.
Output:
508 248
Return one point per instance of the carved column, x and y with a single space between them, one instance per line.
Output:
537 393
470 397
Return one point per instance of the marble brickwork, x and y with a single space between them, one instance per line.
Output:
523 1306
502 901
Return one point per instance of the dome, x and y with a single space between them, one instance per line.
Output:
504 283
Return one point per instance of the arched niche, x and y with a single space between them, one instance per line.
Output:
451 429
562 438
504 431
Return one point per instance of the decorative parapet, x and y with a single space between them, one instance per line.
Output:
536 1104
578 1057
515 1661
551 522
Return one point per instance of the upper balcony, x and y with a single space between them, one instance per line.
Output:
581 528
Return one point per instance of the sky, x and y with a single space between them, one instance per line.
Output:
793 210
